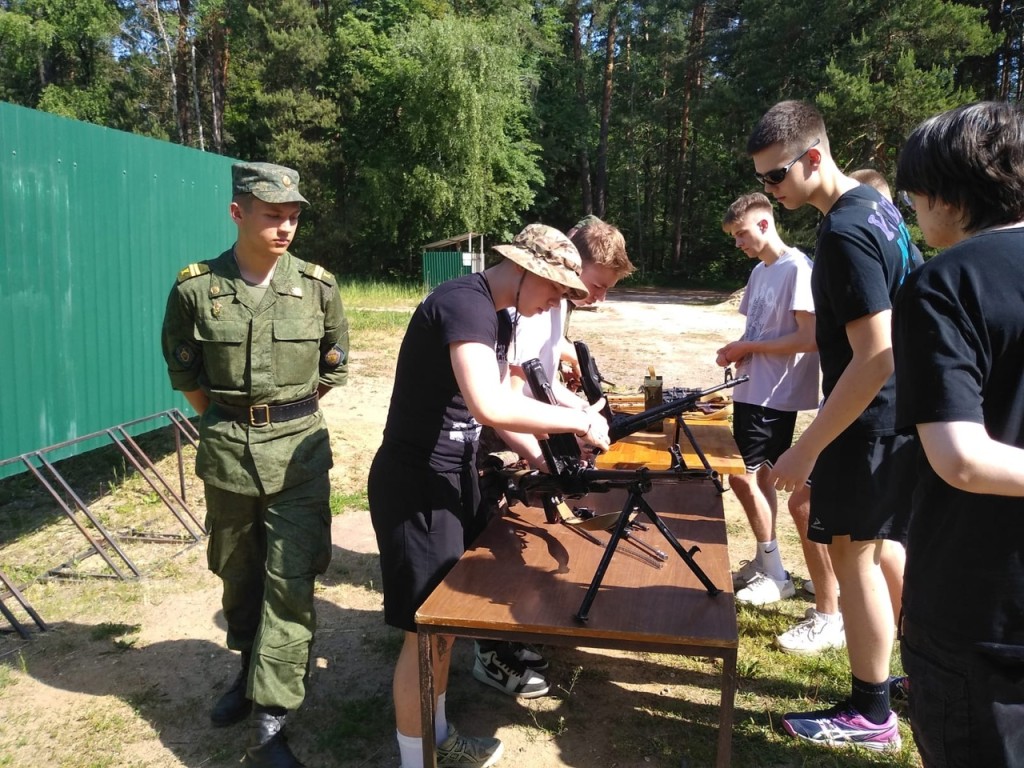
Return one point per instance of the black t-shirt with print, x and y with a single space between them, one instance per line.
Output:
428 422
959 342
863 255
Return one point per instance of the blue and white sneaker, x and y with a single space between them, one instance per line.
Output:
843 726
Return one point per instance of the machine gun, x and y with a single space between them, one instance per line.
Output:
570 476
622 425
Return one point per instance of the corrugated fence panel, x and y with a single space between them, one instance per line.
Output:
439 266
94 226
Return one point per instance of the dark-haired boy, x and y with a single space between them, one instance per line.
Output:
958 330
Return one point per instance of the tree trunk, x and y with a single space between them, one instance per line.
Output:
691 87
195 99
582 156
218 37
601 193
158 22
181 73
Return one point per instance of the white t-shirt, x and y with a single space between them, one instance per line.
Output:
538 336
773 294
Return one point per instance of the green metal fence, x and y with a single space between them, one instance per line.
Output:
94 226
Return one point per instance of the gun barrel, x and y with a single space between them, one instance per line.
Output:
621 428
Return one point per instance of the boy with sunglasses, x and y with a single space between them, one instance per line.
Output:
860 467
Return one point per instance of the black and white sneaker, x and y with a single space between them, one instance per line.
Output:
497 665
529 656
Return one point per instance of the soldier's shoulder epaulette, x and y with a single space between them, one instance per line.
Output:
317 272
193 270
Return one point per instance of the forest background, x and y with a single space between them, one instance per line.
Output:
416 120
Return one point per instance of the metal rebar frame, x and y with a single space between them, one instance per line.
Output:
12 591
100 539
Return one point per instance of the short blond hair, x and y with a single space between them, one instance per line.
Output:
873 178
743 205
600 243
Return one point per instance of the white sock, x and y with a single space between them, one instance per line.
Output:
410 748
440 719
771 559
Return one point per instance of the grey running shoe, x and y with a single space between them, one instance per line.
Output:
458 751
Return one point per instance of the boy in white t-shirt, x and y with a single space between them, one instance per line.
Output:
778 352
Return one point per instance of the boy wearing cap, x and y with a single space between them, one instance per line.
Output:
860 496
514 668
451 378
253 339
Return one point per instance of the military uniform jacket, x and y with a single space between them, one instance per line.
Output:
217 339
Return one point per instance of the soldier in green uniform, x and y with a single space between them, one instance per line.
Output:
253 339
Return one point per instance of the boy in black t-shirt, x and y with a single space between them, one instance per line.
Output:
451 378
860 497
959 336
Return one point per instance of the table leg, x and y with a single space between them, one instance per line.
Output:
725 716
427 700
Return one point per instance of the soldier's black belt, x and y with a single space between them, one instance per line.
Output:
261 415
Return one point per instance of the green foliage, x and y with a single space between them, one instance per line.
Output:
882 91
55 55
415 120
446 107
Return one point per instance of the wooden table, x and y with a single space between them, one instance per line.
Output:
650 449
524 580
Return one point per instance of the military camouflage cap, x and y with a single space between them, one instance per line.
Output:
267 182
545 251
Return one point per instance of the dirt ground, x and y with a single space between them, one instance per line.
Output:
128 672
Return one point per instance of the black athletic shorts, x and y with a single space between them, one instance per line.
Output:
762 434
862 488
420 518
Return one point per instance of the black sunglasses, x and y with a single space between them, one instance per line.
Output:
777 175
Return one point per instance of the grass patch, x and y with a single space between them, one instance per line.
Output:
123 636
7 678
362 321
371 293
343 502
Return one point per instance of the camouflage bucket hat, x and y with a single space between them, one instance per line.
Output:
267 182
548 253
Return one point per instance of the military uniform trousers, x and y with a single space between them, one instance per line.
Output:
268 550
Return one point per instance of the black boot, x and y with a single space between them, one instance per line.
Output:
233 707
269 745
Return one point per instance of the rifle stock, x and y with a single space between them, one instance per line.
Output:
590 378
561 451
